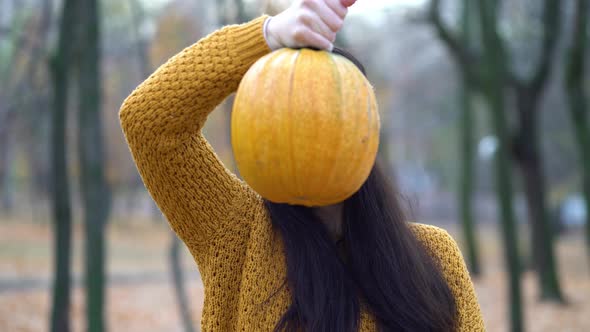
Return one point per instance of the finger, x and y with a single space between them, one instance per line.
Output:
347 3
329 17
305 37
338 8
315 23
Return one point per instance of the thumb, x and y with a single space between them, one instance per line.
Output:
347 3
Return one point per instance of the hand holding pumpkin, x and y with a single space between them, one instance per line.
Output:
307 23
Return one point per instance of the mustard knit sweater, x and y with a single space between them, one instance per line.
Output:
221 220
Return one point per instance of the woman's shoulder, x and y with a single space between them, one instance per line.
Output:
439 243
431 235
443 248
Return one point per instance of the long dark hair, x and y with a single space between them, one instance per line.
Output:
385 268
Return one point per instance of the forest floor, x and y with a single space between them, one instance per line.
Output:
140 295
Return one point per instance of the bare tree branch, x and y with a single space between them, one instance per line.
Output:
576 66
551 30
138 17
451 41
36 58
467 60
37 52
576 62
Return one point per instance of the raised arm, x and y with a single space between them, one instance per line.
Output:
162 121
163 117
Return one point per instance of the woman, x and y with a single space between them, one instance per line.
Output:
352 266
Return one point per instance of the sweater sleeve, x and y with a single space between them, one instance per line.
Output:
446 251
162 121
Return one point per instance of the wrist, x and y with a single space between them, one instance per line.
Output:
271 41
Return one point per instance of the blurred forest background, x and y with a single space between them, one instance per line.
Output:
484 108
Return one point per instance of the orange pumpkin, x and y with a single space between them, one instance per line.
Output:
305 127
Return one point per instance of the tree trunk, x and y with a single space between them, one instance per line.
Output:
175 267
468 67
35 117
60 194
17 80
582 133
143 53
6 158
466 178
240 16
527 155
138 15
95 191
578 102
495 61
505 199
61 206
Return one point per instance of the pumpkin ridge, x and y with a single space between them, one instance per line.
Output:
274 131
290 135
371 116
309 164
370 110
357 160
336 69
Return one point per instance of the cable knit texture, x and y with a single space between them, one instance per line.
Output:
221 220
